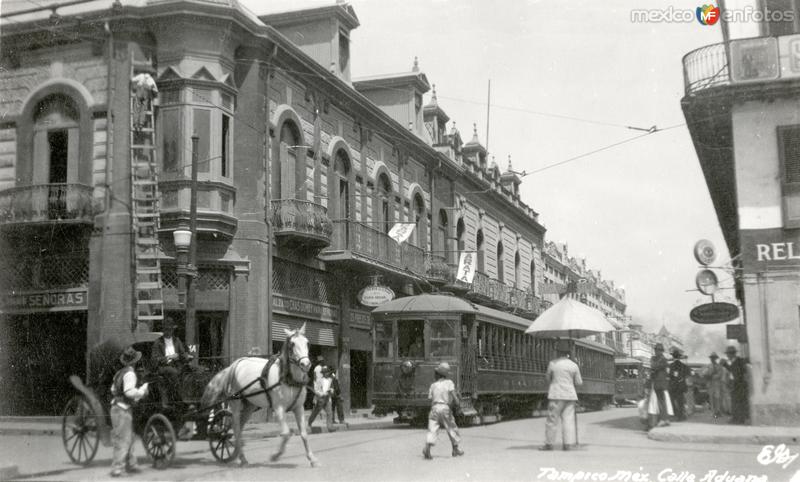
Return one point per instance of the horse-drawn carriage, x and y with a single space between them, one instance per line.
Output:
86 420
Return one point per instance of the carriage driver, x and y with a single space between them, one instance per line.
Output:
166 350
125 395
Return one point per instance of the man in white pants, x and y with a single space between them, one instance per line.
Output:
563 375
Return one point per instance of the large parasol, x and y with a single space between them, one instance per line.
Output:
569 318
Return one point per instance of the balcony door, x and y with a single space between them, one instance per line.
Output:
340 192
55 152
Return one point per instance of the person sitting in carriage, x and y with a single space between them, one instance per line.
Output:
166 352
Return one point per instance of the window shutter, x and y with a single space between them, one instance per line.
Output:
789 152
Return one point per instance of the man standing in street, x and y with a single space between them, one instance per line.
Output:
126 394
563 375
659 381
714 374
740 392
323 388
678 374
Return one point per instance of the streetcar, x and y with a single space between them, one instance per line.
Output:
497 368
631 378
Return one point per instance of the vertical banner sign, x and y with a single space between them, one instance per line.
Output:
401 231
466 267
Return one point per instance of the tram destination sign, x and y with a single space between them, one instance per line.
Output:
713 313
30 302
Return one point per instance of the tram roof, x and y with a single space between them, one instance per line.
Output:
427 303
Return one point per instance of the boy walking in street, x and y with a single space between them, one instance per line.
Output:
442 394
126 394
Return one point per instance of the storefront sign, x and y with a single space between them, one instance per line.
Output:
466 267
766 249
736 332
375 295
401 231
713 313
304 308
65 300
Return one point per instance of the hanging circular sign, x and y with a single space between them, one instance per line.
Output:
704 252
713 313
706 281
375 295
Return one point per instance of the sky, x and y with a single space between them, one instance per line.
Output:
634 211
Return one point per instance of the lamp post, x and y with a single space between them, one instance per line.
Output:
186 247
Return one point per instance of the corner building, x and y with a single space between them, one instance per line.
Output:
741 106
301 173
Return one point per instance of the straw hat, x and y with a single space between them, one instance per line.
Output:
443 369
130 356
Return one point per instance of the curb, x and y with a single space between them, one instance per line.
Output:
8 472
754 439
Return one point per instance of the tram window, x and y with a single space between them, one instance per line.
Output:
384 339
410 336
443 339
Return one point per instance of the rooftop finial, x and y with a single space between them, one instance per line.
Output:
475 133
509 163
433 99
415 68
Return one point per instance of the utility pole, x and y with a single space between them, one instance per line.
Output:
191 293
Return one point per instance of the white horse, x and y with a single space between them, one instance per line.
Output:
282 388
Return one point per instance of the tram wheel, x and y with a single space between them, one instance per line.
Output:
79 430
159 440
221 436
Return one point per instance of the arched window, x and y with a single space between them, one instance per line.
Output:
421 230
55 140
479 248
383 203
517 271
287 165
460 229
441 235
500 271
339 208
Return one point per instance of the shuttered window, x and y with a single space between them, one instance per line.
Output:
789 152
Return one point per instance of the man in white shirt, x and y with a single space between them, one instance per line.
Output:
323 386
125 395
563 375
166 351
444 398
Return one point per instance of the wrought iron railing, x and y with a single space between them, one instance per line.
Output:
706 67
368 242
29 273
437 268
48 202
297 216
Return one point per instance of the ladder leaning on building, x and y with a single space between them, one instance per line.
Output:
148 294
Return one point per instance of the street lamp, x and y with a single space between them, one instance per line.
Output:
187 272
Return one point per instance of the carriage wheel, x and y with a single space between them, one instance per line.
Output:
79 430
159 440
221 437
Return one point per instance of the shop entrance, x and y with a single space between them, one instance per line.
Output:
38 353
359 372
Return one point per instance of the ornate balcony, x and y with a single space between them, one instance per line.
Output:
437 270
301 223
490 291
47 203
358 243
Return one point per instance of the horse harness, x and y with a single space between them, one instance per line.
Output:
263 378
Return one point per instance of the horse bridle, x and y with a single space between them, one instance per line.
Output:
292 360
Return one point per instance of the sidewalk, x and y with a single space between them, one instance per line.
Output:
360 419
703 428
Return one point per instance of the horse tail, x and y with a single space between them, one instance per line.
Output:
216 390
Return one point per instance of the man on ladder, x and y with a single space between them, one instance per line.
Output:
144 91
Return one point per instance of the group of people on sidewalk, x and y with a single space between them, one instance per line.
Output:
671 387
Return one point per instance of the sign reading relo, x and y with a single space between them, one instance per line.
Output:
713 313
375 295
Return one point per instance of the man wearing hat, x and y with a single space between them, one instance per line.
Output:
125 395
166 350
443 396
715 374
563 376
740 403
678 374
659 382
323 389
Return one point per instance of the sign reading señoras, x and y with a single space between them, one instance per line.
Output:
65 300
